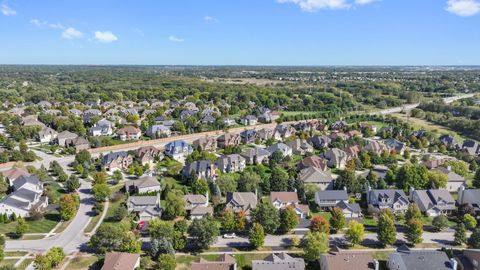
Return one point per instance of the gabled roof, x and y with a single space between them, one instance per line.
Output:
422 259
144 182
280 261
314 175
120 261
14 173
22 180
331 195
284 197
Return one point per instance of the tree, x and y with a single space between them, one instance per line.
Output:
117 176
228 220
412 175
314 244
386 234
337 221
226 183
414 231
437 179
161 246
278 179
130 243
469 221
460 236
21 228
72 183
266 215
42 262
67 207
99 178
204 232
413 212
160 229
166 262
440 222
476 179
101 192
248 181
355 232
474 240
55 255
120 213
320 224
175 204
288 219
256 235
200 186
108 237
3 186
240 221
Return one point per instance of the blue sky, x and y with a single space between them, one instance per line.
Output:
240 32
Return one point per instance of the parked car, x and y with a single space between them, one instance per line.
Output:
229 235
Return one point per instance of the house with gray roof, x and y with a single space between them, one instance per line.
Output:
231 163
455 181
25 197
117 161
207 143
158 131
300 147
395 145
265 134
393 199
312 175
249 120
248 136
282 148
350 210
64 136
433 202
281 261
204 169
406 259
144 184
46 135
336 158
178 150
241 201
146 207
283 131
255 155
470 197
326 199
471 147
320 142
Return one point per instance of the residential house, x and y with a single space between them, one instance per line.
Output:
433 163
281 261
229 121
129 133
208 119
228 140
352 151
300 147
312 175
102 128
75 112
406 259
313 161
31 120
121 261
241 201
248 136
469 260
282 200
197 206
90 114
338 135
326 199
377 147
249 120
78 143
146 184
347 260
353 133
11 175
449 141
255 155
265 117
393 199
320 142
200 212
371 127
350 210
225 262
455 181
339 125
158 131
204 169
283 131
265 134
178 150
146 207
282 148
207 143
64 136
231 163
433 202
26 196
396 146
470 197
471 147
47 135
336 158
148 155
117 161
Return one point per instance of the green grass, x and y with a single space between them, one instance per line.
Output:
80 263
184 261
44 225
8 262
326 215
15 253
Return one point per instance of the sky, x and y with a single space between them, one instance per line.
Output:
240 32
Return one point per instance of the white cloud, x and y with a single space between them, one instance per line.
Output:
175 39
8 11
105 37
56 26
71 33
38 23
210 19
463 8
314 5
365 2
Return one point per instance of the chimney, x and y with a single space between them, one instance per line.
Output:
412 189
453 264
461 189
376 264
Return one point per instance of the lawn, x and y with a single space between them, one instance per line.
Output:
80 263
184 261
44 225
418 123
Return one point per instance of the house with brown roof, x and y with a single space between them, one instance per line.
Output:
225 262
207 143
14 173
148 155
128 133
300 147
313 161
121 261
79 143
376 147
145 184
282 200
228 139
241 201
346 260
312 175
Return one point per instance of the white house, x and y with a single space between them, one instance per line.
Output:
26 196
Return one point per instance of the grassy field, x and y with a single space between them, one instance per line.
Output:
44 225
83 263
429 126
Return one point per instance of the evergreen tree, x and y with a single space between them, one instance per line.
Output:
386 233
414 231
460 236
256 235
